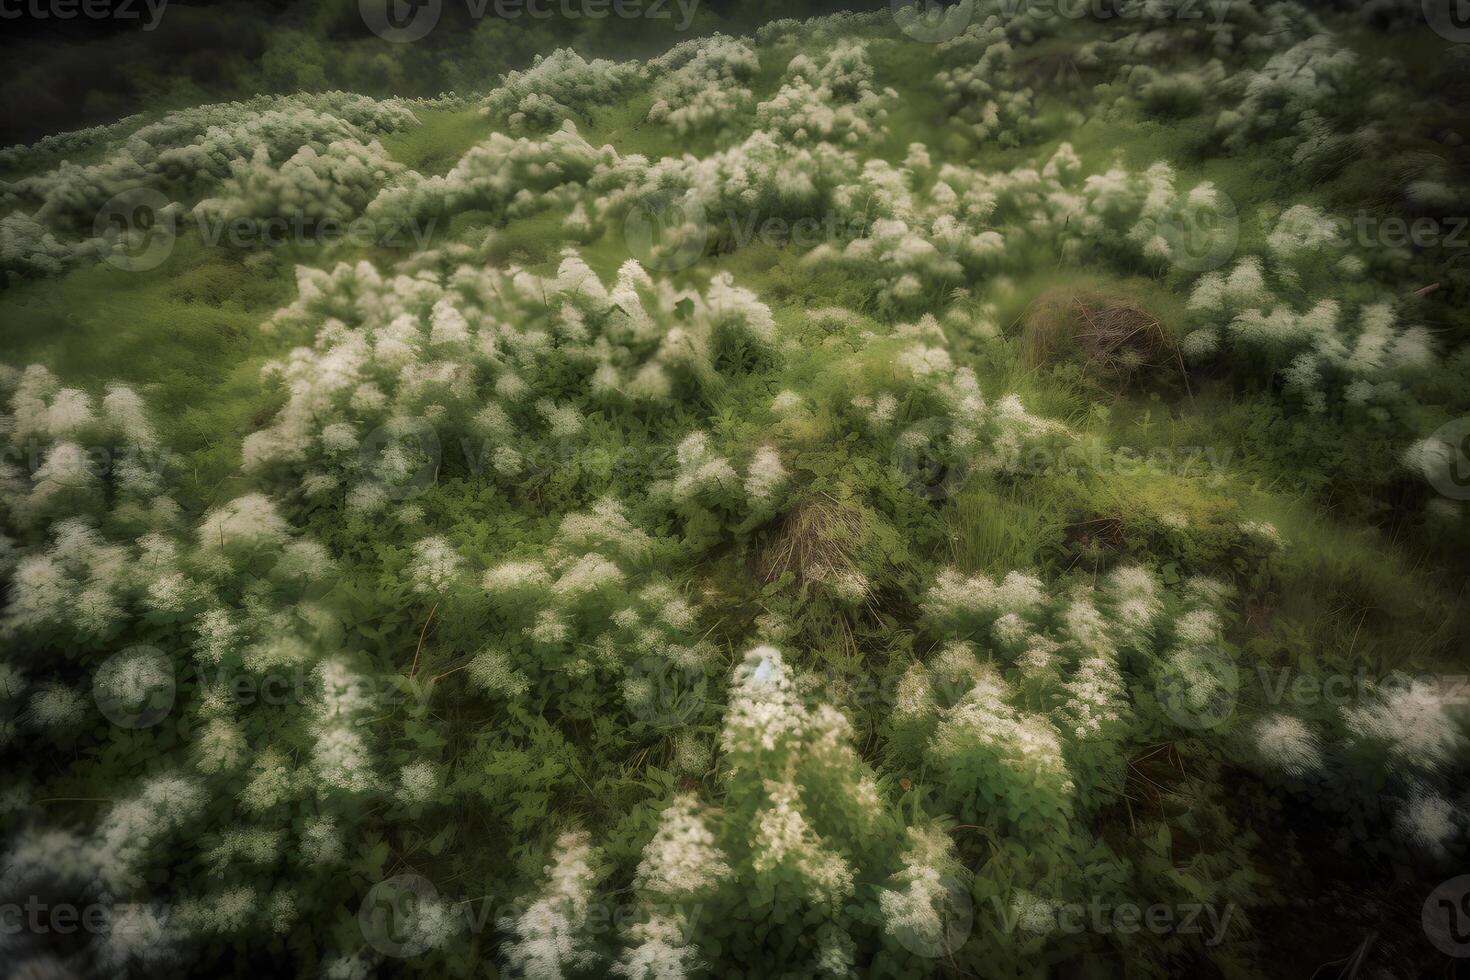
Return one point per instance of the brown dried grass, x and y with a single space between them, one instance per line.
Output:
1118 342
816 542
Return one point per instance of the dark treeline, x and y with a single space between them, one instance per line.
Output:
69 73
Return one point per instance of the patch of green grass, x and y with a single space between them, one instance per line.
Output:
442 137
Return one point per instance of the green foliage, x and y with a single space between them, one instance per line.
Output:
800 605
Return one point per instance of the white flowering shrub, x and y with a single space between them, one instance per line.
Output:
1326 354
906 261
1313 74
420 364
996 759
703 202
828 100
557 87
982 90
702 83
503 176
1386 756
335 184
1069 674
27 248
1165 30
550 938
66 451
55 214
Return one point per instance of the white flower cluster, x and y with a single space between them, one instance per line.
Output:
1413 723
963 433
969 603
341 757
582 608
1143 213
1310 75
80 581
1359 357
763 175
248 523
786 845
706 479
786 759
831 101
658 949
78 588
81 452
1404 738
1287 744
436 565
765 477
555 87
918 909
506 177
1094 709
1431 824
982 91
553 937
405 366
418 783
702 82
917 245
52 213
1055 688
115 855
682 859
901 259
336 183
997 755
702 474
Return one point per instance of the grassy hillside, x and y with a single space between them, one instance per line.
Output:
871 497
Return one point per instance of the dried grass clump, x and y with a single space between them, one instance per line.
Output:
1096 540
1120 344
819 542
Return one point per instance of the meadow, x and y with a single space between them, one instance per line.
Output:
973 492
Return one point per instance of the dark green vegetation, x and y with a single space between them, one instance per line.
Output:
1080 640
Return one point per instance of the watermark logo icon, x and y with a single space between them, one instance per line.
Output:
662 693
932 22
391 915
1445 459
927 460
666 233
1200 231
400 21
1450 19
403 455
956 915
135 688
1198 689
139 227
1446 917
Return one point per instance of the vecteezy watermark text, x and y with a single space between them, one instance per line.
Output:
141 226
149 11
404 916
401 21
935 22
